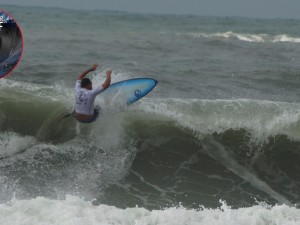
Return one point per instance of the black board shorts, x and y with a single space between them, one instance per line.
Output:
92 119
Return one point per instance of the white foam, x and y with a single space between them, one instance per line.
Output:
76 211
286 38
256 38
261 118
12 143
113 140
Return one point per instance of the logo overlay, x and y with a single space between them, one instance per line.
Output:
11 44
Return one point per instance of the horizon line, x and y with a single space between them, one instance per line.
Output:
151 13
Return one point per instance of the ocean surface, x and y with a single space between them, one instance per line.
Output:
216 142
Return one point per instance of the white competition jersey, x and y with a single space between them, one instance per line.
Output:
85 99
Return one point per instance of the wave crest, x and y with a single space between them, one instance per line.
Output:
256 38
263 119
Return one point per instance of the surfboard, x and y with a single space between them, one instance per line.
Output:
130 91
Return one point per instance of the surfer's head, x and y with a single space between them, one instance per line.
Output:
86 83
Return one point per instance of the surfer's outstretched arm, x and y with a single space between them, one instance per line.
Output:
106 83
83 74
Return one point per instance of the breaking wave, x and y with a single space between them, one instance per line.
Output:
246 37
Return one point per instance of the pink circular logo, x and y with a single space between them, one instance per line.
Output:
11 44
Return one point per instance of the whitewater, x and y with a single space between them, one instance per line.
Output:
77 211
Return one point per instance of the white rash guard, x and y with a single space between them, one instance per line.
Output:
85 99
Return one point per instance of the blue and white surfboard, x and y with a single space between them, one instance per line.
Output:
129 91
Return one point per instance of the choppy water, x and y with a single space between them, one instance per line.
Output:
223 123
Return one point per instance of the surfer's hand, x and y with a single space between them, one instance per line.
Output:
83 74
108 73
94 67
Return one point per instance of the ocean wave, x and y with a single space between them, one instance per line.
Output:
256 38
74 210
34 134
263 119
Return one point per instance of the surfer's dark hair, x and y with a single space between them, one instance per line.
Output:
85 82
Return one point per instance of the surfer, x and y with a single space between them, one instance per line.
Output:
85 96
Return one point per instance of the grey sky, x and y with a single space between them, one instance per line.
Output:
248 8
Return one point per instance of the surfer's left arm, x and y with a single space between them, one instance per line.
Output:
83 74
